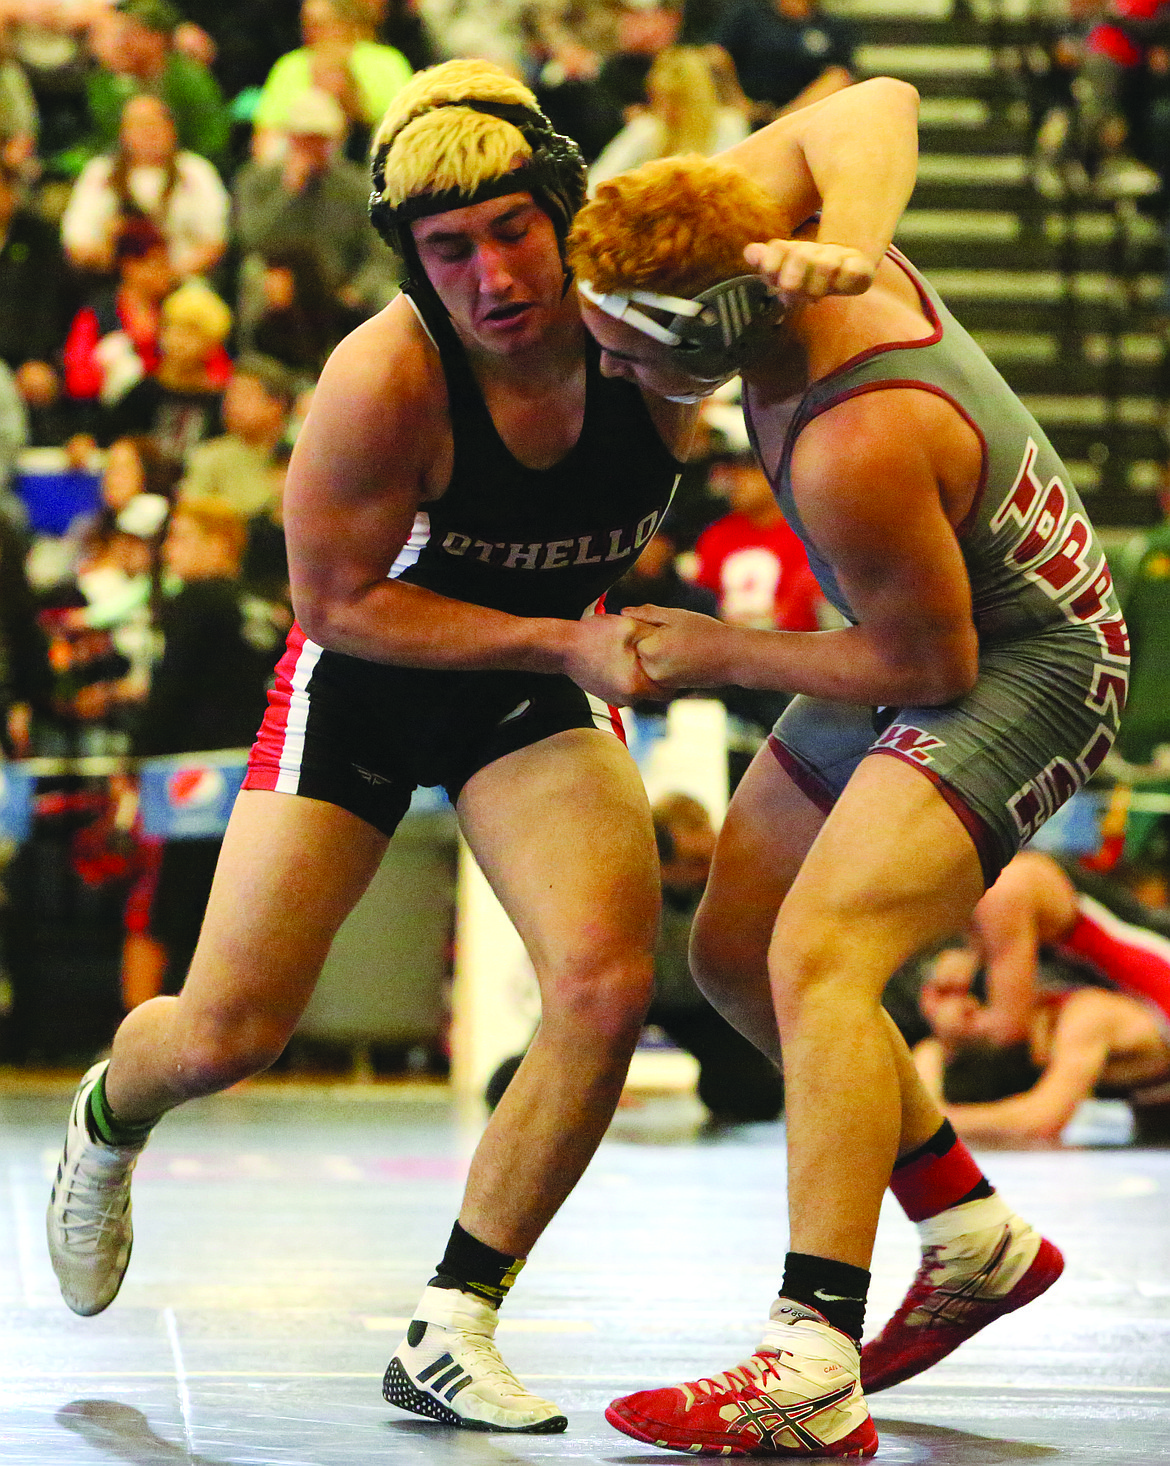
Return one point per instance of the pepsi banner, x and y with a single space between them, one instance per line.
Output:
189 796
17 788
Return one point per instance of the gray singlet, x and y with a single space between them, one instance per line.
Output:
1053 649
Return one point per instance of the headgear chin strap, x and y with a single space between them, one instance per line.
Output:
714 335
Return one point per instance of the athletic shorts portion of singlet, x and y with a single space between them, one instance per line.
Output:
1003 757
365 736
1053 649
530 542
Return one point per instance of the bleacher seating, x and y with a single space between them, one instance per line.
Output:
1064 295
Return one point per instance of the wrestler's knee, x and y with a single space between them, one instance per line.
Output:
214 1050
811 969
599 998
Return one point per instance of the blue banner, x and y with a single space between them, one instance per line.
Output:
17 788
55 498
189 796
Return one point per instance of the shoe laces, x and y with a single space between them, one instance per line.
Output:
478 1354
95 1201
752 1374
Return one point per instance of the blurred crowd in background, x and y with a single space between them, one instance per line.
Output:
183 198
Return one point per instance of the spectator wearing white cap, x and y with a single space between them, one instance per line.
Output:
309 195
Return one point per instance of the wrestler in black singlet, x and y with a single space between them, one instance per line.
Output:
530 542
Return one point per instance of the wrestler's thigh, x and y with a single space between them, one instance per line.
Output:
562 831
893 869
766 834
290 871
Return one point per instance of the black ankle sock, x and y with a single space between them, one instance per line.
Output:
103 1125
977 1192
939 1143
473 1267
836 1289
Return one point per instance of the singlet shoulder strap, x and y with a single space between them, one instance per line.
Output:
465 400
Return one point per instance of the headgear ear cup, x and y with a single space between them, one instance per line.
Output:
715 335
735 321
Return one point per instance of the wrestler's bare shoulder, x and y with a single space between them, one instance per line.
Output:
900 435
383 388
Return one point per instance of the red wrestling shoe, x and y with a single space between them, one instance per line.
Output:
964 1284
798 1395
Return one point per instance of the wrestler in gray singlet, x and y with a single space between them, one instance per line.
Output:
1053 649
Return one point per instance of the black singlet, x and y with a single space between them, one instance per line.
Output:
531 542
541 542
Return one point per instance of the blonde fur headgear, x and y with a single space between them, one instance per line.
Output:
456 135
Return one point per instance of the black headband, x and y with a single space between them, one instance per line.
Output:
529 176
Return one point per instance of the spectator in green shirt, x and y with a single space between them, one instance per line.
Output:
363 76
138 57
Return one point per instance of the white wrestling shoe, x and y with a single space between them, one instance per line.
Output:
88 1221
448 1367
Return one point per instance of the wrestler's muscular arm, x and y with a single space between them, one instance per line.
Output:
854 157
1031 903
374 449
872 478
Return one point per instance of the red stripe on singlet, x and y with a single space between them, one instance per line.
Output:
616 726
264 760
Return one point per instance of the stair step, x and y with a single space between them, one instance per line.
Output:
1065 295
1083 228
1128 440
1081 289
1043 379
1007 315
912 61
1024 255
908 32
989 138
